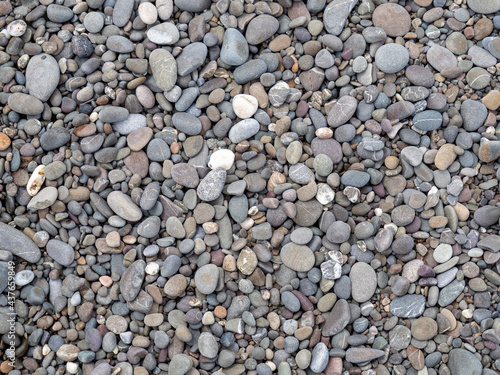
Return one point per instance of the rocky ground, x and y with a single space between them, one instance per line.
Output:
249 187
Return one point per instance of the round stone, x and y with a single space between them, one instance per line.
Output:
393 18
442 253
391 57
206 279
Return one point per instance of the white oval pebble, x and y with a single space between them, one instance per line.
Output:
221 159
36 181
475 252
24 277
443 253
245 105
148 13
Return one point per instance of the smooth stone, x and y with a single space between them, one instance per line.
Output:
243 130
342 111
391 58
186 123
185 174
123 206
44 199
164 34
119 44
207 345
234 50
484 7
122 11
428 120
59 13
463 362
441 58
113 114
17 243
133 122
362 355
206 279
61 252
261 28
25 104
131 280
487 216
210 188
150 227
193 6
363 282
164 68
393 18
45 66
245 106
354 178
319 358
299 258
408 306
450 292
192 57
337 319
335 15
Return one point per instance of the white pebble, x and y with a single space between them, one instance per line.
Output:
148 13
152 268
245 105
72 367
221 159
475 252
36 181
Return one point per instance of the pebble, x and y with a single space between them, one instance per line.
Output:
363 281
391 58
61 252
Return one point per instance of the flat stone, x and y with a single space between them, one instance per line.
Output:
211 186
61 252
408 306
393 18
25 104
362 355
206 279
17 243
363 281
123 206
440 58
450 292
42 65
342 111
131 280
337 319
299 258
335 15
243 130
391 57
261 28
463 362
164 68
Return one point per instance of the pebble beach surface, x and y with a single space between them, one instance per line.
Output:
194 187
